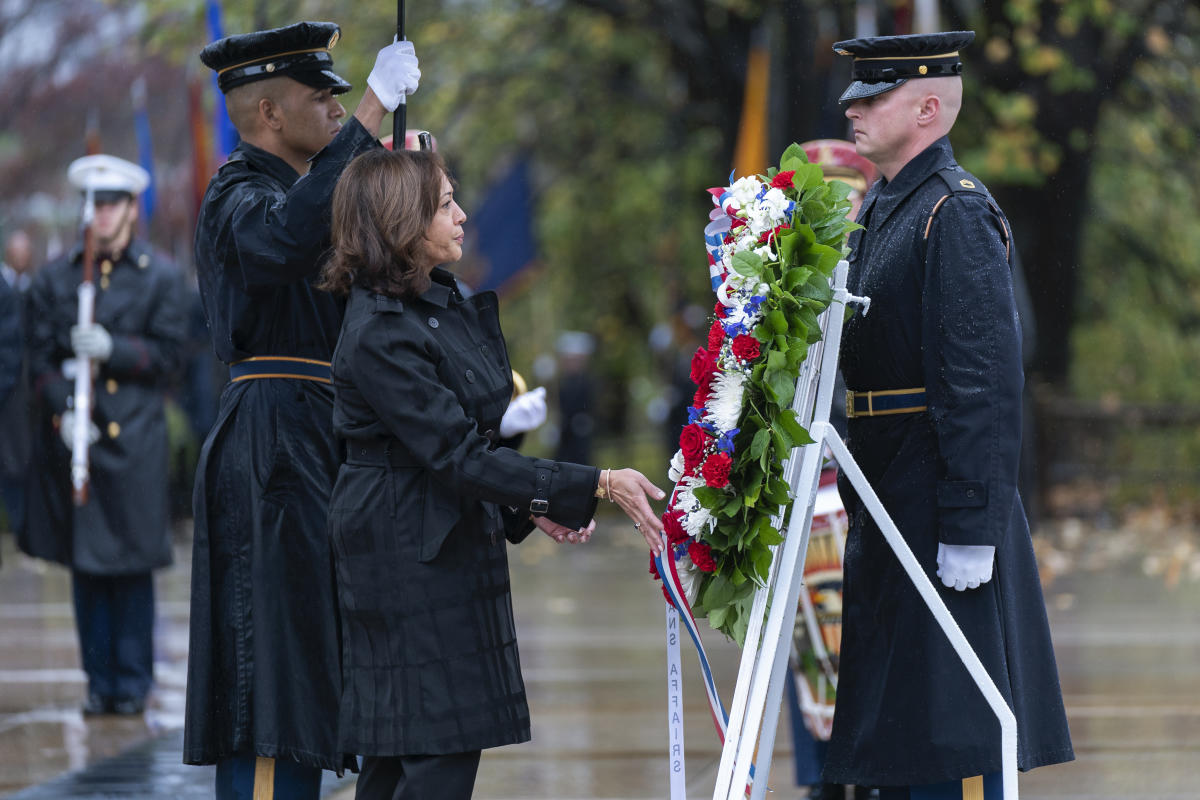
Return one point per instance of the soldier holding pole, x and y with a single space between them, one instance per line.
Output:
263 671
108 523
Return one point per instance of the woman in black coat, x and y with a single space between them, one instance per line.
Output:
425 499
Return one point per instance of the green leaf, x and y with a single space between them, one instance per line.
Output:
788 422
781 386
718 593
709 497
732 507
796 276
748 263
716 617
817 288
760 443
769 536
793 157
777 321
808 176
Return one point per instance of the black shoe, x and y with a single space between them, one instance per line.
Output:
129 706
865 793
827 791
96 705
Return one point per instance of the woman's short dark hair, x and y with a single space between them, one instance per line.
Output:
382 205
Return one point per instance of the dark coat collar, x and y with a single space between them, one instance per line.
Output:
886 196
441 288
263 161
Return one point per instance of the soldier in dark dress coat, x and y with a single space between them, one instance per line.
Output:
941 448
263 672
426 499
122 532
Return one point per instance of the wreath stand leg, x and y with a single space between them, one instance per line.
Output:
764 660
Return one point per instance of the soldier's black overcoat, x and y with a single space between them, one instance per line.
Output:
430 652
124 528
942 317
263 671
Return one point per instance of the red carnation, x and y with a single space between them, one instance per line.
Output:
703 392
716 335
783 180
703 364
720 310
673 526
692 441
766 236
716 470
701 555
747 347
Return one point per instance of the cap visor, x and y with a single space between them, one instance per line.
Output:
322 79
858 90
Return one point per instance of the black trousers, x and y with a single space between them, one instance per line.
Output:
449 777
115 618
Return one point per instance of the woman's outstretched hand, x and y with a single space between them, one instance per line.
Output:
632 491
561 533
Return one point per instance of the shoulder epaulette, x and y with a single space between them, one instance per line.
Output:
959 181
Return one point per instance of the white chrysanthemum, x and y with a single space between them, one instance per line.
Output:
698 522
724 406
689 578
675 471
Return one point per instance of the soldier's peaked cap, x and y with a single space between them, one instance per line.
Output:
299 51
881 63
108 178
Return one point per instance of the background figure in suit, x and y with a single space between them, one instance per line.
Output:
113 541
426 499
16 275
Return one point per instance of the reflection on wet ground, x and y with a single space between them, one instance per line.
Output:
590 626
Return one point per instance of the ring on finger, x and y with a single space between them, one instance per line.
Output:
637 525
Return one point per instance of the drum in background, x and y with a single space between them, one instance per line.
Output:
817 636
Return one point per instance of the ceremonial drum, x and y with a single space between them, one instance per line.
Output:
817 636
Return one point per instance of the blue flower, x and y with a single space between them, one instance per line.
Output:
725 441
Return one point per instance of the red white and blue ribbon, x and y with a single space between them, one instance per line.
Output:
673 590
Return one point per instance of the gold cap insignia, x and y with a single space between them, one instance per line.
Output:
966 184
334 39
924 70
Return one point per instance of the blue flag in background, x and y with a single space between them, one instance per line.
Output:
225 135
504 227
141 124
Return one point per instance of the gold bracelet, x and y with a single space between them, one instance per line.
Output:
608 485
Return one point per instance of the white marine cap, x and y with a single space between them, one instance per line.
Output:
102 173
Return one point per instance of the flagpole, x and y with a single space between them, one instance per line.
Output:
400 115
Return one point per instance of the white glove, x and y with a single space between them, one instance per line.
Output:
91 341
395 74
965 566
66 429
524 413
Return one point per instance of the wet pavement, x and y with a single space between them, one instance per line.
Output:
590 622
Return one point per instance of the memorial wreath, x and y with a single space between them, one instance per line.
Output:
773 241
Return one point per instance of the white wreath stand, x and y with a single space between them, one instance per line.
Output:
754 716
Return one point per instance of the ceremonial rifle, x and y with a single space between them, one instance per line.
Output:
83 365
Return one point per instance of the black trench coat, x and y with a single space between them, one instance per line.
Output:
430 658
942 317
124 528
263 671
